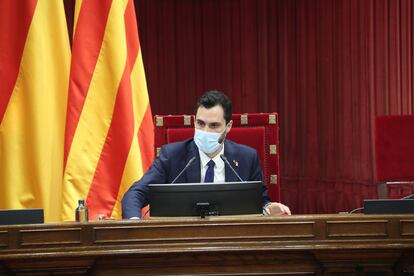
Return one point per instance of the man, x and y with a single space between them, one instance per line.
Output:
212 123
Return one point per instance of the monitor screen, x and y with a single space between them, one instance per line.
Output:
206 199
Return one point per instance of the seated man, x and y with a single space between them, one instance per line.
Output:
212 123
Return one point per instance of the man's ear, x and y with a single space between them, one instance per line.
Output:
229 125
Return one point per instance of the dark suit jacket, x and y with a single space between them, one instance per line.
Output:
173 158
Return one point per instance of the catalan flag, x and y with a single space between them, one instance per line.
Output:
109 130
34 71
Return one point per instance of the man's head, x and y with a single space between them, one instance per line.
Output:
212 121
215 98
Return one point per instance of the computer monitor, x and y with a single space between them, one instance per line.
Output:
206 199
389 206
21 216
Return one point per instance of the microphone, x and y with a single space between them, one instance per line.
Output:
224 158
183 170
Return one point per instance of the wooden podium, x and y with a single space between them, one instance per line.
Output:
296 245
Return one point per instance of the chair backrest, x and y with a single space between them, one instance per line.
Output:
394 149
257 130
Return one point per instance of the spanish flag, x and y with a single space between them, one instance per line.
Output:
109 130
34 71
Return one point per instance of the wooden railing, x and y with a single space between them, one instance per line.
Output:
306 245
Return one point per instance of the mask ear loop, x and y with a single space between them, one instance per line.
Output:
222 136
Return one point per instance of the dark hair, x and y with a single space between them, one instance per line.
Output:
212 98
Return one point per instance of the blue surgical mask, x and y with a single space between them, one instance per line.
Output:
207 142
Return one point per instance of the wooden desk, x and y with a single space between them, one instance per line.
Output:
305 245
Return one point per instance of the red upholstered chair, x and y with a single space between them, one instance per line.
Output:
259 131
394 149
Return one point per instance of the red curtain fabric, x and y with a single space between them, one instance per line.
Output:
327 67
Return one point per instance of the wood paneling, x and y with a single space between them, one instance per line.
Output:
309 245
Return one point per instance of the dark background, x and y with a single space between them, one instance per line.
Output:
328 67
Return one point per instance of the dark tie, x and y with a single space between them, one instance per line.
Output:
210 172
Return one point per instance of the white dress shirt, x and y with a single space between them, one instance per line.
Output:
219 171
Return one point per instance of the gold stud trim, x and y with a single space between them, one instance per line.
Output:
159 121
244 120
187 120
273 149
272 119
273 179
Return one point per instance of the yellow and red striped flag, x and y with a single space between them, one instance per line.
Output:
34 71
109 130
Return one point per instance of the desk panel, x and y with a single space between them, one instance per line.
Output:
352 244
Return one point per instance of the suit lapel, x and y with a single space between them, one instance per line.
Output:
193 173
230 154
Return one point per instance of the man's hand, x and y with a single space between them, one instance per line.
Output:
276 209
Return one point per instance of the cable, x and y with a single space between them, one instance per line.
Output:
357 209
